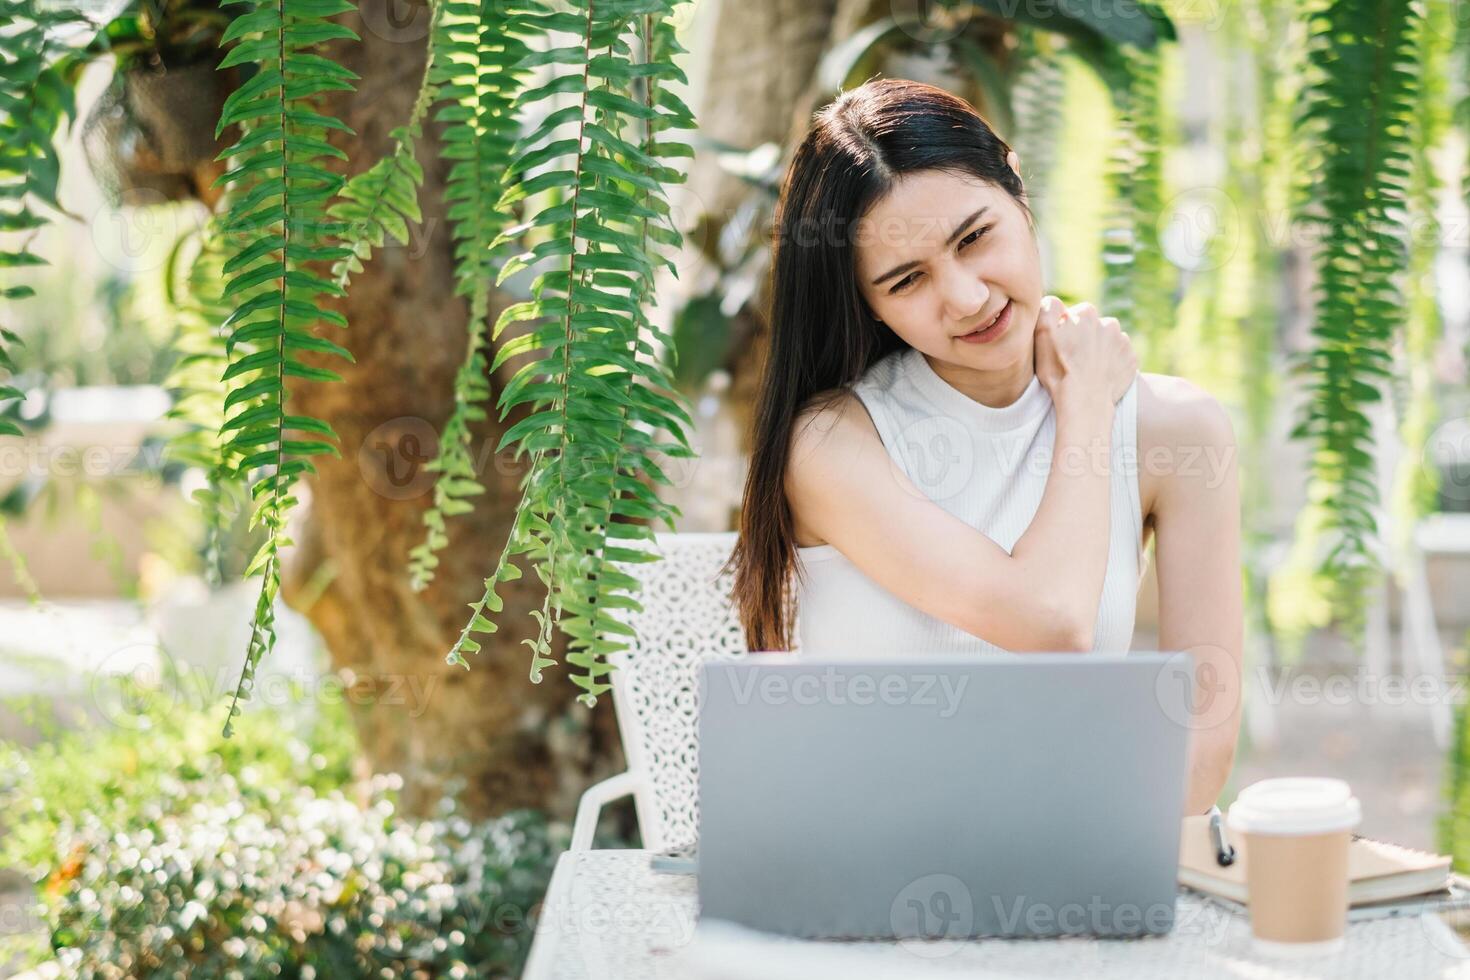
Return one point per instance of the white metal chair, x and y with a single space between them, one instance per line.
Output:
687 618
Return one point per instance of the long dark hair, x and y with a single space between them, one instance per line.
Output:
824 336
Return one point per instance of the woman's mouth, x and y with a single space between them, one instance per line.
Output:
996 328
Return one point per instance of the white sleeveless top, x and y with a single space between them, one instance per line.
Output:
988 467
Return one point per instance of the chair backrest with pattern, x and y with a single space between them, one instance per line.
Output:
687 618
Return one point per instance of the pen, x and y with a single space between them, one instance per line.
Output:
1224 853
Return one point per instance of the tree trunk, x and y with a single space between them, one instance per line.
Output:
506 741
501 740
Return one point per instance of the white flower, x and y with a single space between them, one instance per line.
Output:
191 913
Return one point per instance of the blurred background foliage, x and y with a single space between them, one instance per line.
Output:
1266 193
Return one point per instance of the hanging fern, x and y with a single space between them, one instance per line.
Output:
1224 332
623 494
1037 98
595 404
1461 67
1255 141
1358 108
375 204
479 76
1285 599
1453 827
34 96
1138 282
1416 485
378 203
199 398
277 219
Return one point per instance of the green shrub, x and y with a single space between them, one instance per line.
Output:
163 850
117 772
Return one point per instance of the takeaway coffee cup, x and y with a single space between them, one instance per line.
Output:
1297 833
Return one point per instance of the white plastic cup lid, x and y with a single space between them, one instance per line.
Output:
1296 805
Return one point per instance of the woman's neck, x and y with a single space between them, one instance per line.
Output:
993 389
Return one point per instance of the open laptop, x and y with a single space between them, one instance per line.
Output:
943 797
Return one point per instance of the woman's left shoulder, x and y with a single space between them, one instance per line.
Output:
1176 412
1186 441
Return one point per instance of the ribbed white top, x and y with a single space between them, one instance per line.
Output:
988 467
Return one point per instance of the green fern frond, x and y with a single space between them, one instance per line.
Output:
34 96
1240 268
1037 99
592 630
1358 109
1416 485
199 398
1461 67
1139 282
479 77
380 202
199 403
595 386
277 224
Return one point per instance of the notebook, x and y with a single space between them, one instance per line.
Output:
1377 870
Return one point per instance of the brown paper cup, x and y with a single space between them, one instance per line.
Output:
1298 887
1297 833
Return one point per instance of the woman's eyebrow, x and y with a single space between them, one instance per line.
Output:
958 231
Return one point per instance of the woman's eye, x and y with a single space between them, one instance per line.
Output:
973 236
965 242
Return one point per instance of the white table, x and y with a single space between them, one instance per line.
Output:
606 916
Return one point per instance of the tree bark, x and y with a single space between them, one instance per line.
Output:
489 731
500 740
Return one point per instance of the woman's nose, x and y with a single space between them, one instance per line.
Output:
964 294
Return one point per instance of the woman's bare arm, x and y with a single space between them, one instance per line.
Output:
1188 444
1065 547
842 485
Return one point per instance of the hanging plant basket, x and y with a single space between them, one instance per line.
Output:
151 134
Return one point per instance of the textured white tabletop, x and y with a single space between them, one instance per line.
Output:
606 916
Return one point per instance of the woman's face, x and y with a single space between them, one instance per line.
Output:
940 256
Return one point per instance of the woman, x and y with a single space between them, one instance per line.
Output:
946 460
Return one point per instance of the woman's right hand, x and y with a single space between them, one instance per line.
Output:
1082 357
